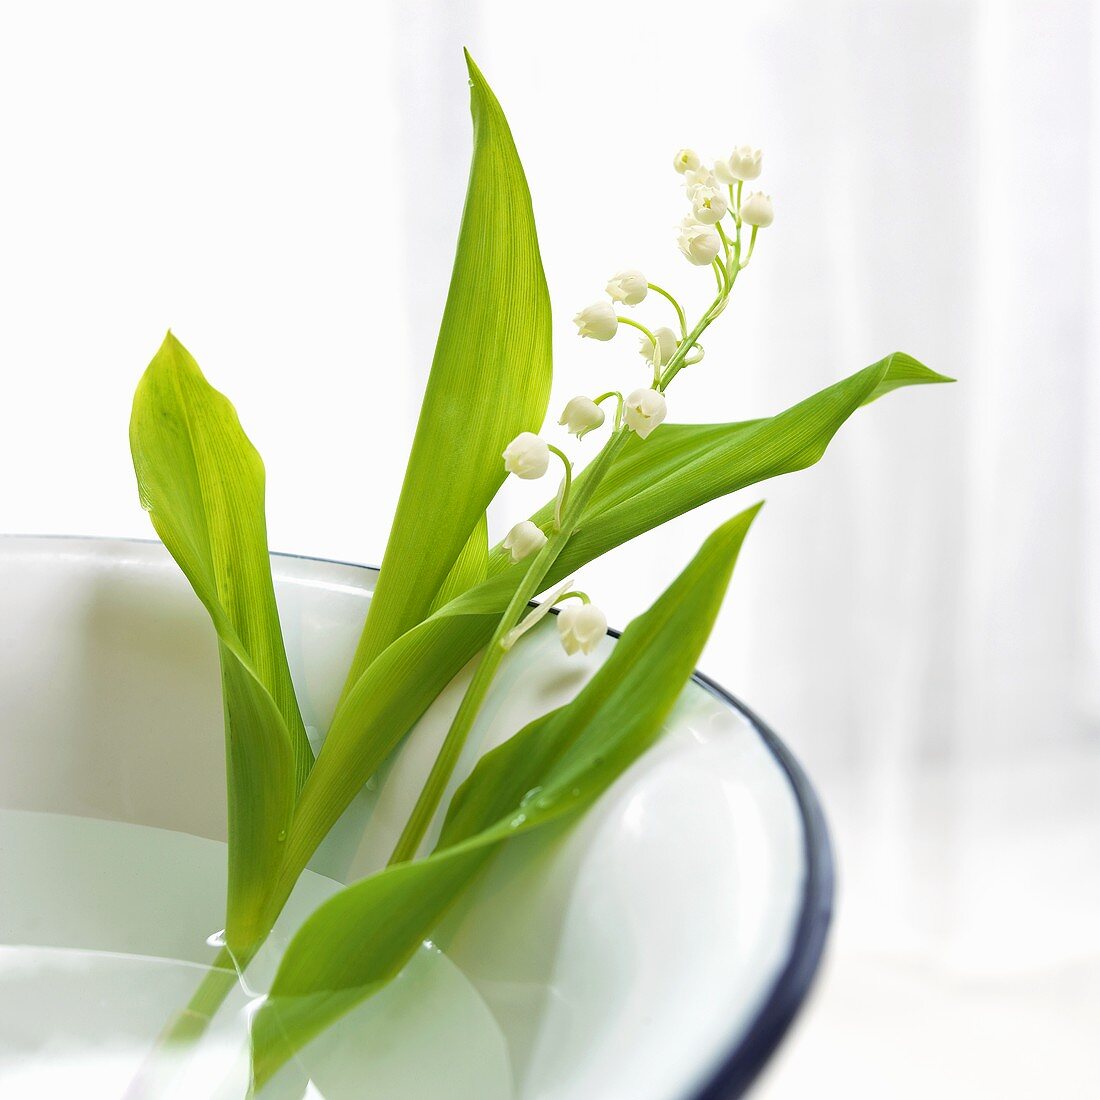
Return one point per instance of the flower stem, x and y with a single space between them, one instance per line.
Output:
536 615
618 411
719 274
432 793
639 327
678 361
563 498
675 305
188 1025
575 593
752 244
533 582
725 242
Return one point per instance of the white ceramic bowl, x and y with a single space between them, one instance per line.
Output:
657 951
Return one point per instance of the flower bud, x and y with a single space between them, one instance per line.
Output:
757 210
686 160
581 415
527 456
629 287
597 320
698 177
699 243
644 410
709 205
581 626
723 173
744 162
667 343
524 540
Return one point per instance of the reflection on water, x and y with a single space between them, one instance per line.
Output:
105 931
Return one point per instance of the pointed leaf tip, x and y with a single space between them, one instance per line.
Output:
454 470
925 374
476 76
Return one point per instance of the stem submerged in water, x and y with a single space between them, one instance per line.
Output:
187 1026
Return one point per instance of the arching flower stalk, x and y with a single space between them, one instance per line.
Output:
704 241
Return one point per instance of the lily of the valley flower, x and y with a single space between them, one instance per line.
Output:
644 410
757 210
686 160
723 173
667 344
527 456
698 177
699 243
709 205
597 320
745 162
524 540
629 287
581 626
581 415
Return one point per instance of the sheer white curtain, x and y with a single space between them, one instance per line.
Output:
919 615
925 590
285 193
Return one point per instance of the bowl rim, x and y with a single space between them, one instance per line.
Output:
753 1047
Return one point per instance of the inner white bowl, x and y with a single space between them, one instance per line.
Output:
656 951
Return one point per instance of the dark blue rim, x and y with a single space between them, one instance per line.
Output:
792 985
742 1065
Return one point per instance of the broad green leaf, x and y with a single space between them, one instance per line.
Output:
682 466
202 483
677 468
490 380
469 569
554 768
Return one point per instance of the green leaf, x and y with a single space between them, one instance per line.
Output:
677 468
490 380
469 569
554 768
202 483
682 466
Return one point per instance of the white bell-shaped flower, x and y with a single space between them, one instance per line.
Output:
709 205
723 173
757 210
667 343
581 415
699 243
629 287
745 162
597 320
524 540
644 410
698 177
527 456
686 160
581 626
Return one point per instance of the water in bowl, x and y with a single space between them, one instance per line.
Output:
104 930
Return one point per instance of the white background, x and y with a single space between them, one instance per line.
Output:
918 616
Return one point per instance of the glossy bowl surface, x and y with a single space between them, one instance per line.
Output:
657 951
